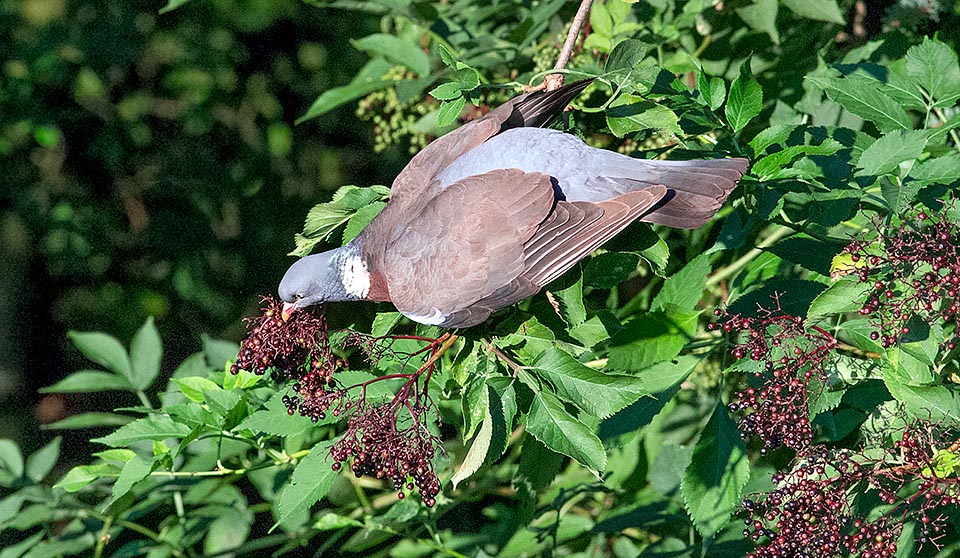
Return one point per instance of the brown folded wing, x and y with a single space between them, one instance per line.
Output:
491 240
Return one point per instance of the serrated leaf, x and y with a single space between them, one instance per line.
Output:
936 403
651 338
846 295
311 481
194 386
450 110
146 350
684 288
103 349
745 100
82 475
447 91
627 54
89 381
885 155
550 423
396 50
274 419
360 219
712 90
597 393
133 471
629 113
153 427
865 98
933 64
609 269
476 405
477 453
713 482
820 10
938 170
807 252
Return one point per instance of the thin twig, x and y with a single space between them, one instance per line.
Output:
554 81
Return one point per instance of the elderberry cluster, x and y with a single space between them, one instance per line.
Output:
776 409
380 448
913 269
296 348
813 512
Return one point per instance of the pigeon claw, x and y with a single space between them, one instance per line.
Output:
288 309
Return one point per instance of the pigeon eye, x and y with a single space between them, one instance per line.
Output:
298 296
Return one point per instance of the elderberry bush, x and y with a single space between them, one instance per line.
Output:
610 415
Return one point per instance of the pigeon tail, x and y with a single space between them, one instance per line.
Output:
538 109
696 188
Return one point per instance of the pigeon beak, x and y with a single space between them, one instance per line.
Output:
288 309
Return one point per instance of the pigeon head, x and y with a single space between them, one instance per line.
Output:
333 276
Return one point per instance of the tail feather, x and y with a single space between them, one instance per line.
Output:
536 110
699 187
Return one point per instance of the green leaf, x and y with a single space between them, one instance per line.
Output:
745 100
325 218
651 338
447 91
936 403
333 98
103 349
550 423
899 196
939 170
597 393
762 16
864 97
684 288
82 475
396 50
807 252
153 427
775 165
820 10
663 381
713 482
846 295
477 453
89 381
42 461
311 481
146 350
450 111
476 405
11 459
712 90
629 113
626 55
609 269
194 386
885 155
88 420
133 471
933 65
359 220
172 5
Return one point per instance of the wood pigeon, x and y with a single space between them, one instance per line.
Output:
488 214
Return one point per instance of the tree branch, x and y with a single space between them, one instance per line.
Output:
554 81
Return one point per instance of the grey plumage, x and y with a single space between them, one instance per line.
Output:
488 214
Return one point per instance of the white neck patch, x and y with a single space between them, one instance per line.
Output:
354 276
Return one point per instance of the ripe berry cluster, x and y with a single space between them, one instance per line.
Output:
913 269
297 348
381 448
380 443
793 356
813 512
